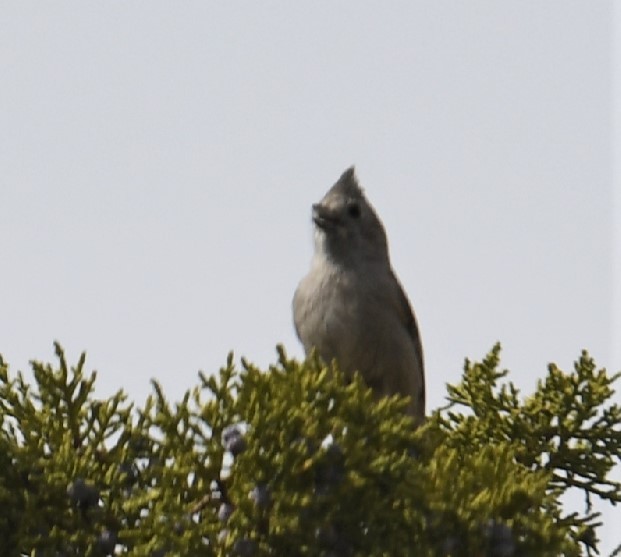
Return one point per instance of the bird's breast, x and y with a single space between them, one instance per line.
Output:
330 314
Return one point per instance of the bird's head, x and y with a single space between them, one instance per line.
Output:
347 229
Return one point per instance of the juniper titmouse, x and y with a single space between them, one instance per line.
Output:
351 307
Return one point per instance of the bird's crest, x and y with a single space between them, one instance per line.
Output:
347 184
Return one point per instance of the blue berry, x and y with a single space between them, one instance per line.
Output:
500 539
83 495
107 542
245 548
225 511
233 440
261 496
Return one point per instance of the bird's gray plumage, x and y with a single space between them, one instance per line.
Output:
351 307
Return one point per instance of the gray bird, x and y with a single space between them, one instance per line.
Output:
351 307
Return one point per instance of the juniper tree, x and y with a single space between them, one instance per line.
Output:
296 460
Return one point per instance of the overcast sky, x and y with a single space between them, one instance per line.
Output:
159 160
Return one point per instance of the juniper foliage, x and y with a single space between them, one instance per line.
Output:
295 460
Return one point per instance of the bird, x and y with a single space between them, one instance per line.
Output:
350 306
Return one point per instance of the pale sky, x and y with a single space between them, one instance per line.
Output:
159 161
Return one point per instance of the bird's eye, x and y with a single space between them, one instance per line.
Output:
353 210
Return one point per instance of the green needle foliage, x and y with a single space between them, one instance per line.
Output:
295 460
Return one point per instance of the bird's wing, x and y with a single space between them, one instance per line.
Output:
406 314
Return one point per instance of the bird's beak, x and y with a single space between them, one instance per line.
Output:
323 218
